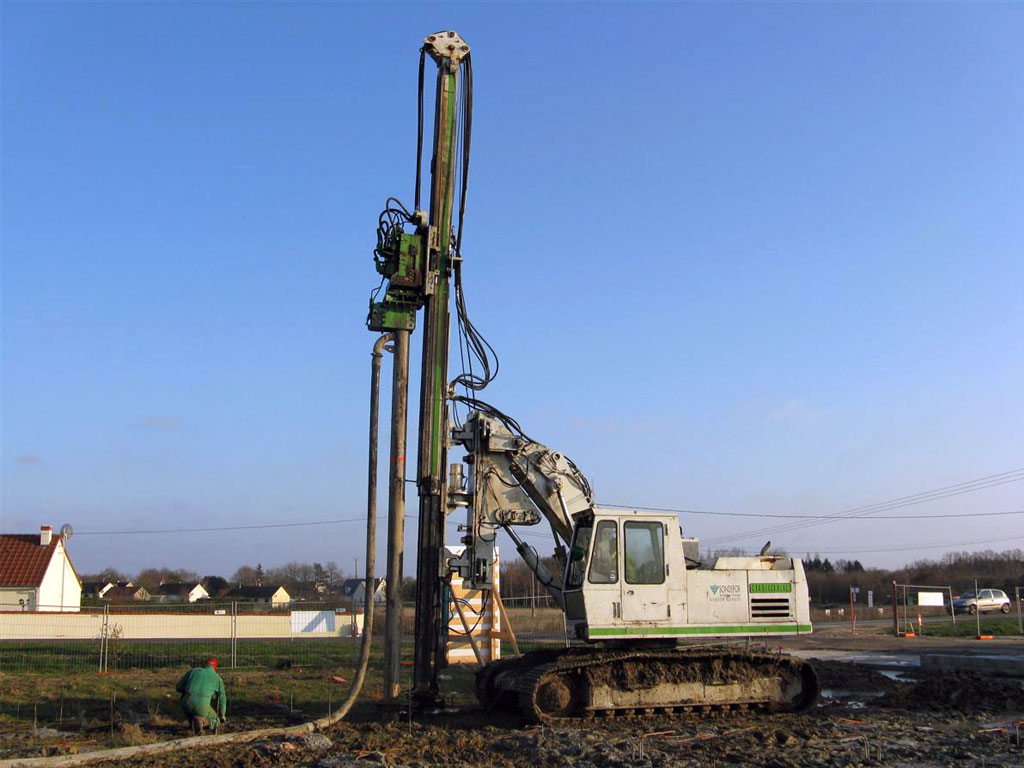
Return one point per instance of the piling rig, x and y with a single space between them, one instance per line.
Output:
630 584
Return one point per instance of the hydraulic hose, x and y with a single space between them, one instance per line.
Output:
371 539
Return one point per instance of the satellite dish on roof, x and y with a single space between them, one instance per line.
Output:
65 531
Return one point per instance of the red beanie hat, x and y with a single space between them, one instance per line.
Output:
212 663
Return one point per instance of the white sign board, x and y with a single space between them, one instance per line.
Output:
312 621
937 599
871 598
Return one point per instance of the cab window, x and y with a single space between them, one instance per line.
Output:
645 553
578 555
604 560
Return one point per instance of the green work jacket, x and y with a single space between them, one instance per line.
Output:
199 686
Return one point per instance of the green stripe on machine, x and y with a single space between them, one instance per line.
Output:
736 629
770 587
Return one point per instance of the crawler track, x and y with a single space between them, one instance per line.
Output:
565 684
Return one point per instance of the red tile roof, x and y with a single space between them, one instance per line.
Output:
23 562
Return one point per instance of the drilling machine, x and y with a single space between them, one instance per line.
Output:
630 584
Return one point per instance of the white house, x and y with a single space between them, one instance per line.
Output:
354 591
275 597
99 589
172 592
36 573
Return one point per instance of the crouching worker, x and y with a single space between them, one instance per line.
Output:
197 687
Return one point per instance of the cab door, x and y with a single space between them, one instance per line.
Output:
644 582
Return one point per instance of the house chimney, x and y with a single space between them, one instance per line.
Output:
45 535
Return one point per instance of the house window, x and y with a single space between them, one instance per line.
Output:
645 553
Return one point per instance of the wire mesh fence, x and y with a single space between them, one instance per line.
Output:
240 635
118 637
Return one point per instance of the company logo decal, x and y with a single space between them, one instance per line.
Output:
725 593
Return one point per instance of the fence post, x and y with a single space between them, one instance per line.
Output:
102 632
1020 622
105 637
895 612
234 634
853 613
977 609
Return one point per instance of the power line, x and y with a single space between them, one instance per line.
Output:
226 527
937 494
812 517
949 545
848 551
856 513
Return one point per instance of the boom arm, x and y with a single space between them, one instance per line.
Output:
512 481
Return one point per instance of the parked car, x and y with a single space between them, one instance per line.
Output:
985 600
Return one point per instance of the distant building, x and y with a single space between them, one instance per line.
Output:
96 589
120 594
354 591
177 592
36 573
272 596
99 589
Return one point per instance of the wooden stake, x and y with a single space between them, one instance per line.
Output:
506 632
469 634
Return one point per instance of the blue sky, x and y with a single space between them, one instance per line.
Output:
742 257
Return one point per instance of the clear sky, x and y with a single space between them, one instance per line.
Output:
735 258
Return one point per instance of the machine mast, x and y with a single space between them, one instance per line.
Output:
419 267
447 50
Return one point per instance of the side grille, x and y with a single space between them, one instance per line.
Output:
770 608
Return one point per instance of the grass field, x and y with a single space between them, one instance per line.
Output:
53 713
68 657
967 626
54 700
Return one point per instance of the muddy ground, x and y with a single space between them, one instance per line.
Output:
865 718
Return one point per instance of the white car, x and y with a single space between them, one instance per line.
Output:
985 600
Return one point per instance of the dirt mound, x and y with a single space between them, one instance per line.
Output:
966 693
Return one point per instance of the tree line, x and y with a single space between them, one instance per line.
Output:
829 582
296 577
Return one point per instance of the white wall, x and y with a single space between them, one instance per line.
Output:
9 598
60 590
157 625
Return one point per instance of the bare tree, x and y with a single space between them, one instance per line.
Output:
245 576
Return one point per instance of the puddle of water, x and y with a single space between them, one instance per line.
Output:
898 675
840 693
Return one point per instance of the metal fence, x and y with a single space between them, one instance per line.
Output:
1018 593
110 637
909 602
